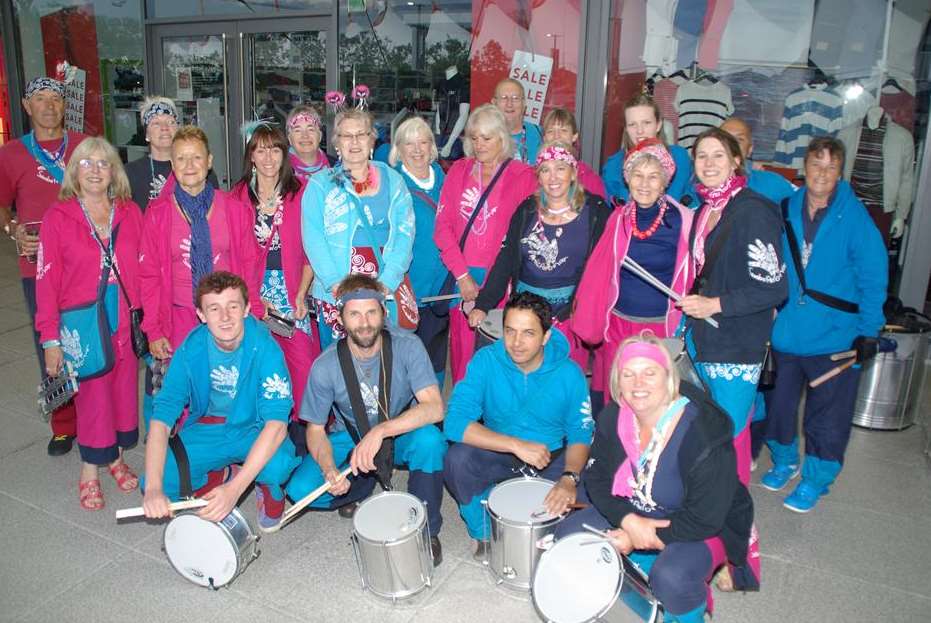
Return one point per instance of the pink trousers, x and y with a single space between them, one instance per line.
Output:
300 351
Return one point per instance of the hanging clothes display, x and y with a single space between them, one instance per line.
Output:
813 110
701 105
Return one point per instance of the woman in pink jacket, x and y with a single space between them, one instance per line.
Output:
652 229
271 190
189 233
95 218
489 147
559 126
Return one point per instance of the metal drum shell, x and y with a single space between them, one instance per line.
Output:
235 528
889 391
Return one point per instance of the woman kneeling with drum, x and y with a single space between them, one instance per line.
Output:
663 481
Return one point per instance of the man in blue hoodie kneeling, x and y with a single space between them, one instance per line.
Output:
523 404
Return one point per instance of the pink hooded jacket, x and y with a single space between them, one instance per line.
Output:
293 259
69 262
155 258
591 181
594 301
457 201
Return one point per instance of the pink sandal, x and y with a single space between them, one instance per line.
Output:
91 495
125 479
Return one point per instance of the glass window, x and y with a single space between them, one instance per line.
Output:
4 98
155 9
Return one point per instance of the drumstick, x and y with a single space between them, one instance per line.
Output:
138 511
441 297
642 272
307 499
596 531
830 374
843 355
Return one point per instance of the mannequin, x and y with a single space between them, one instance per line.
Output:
452 92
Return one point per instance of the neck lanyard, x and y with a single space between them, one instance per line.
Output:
48 158
108 251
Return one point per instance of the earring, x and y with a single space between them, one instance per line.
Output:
253 171
372 154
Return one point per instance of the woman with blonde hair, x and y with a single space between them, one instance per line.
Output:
559 126
480 195
88 250
662 481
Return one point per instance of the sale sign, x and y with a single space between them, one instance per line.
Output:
534 72
75 90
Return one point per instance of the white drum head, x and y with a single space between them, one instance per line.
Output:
521 500
493 324
577 579
200 550
389 516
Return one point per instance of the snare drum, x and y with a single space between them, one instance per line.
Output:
491 329
391 542
518 522
583 578
208 553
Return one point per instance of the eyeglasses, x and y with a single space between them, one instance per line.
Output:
87 163
509 98
352 138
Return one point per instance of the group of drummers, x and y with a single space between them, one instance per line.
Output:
299 327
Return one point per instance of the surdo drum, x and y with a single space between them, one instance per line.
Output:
391 542
208 553
519 521
582 578
491 329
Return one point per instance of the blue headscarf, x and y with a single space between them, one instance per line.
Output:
196 208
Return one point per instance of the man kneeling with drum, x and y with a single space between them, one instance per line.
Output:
232 375
371 378
535 415
663 481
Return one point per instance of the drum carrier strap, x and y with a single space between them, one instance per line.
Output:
822 297
184 466
384 459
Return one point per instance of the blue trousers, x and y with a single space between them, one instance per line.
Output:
209 447
678 574
828 408
421 450
471 473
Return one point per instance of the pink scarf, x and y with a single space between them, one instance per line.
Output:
716 199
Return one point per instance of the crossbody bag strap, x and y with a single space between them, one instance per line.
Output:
822 297
184 465
425 197
481 202
711 257
111 261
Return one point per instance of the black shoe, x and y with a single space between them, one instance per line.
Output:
60 445
481 551
436 548
347 511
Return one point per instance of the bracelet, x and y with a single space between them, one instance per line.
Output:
51 344
465 274
10 229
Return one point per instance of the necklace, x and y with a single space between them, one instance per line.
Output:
364 185
643 235
558 212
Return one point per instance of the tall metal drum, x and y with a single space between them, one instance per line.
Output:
889 394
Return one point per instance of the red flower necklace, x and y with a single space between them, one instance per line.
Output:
364 185
643 235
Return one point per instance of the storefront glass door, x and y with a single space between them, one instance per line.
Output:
222 74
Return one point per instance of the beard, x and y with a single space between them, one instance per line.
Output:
365 338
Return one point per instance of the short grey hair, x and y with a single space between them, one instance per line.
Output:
411 128
488 120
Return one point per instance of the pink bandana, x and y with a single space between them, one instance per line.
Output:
555 152
310 118
650 147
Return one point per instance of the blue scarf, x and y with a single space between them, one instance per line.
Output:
195 209
53 163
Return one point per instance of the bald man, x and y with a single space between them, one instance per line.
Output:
771 185
510 99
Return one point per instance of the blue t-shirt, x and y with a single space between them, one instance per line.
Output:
375 209
527 143
411 371
224 378
657 254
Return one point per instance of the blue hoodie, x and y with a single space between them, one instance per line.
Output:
263 389
680 186
769 184
849 261
549 405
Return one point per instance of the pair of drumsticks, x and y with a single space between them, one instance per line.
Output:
886 345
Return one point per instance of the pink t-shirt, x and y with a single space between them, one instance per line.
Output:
180 245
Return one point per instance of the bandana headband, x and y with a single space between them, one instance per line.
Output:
42 84
159 108
650 147
310 118
555 152
643 349
359 295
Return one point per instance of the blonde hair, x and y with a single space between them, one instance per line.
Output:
577 200
562 117
409 129
488 120
357 115
119 184
645 337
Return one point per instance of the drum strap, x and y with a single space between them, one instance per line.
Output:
384 459
184 466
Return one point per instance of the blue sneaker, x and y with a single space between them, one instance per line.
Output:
779 476
804 498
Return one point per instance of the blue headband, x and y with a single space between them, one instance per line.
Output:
41 84
158 108
359 295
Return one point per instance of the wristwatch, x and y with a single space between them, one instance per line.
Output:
573 475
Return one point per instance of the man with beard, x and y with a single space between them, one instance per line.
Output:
380 383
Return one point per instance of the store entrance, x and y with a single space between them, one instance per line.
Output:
222 74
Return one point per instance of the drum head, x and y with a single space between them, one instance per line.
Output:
201 550
577 579
493 324
520 500
389 516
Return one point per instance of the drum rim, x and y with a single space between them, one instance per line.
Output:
395 541
520 524
240 567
